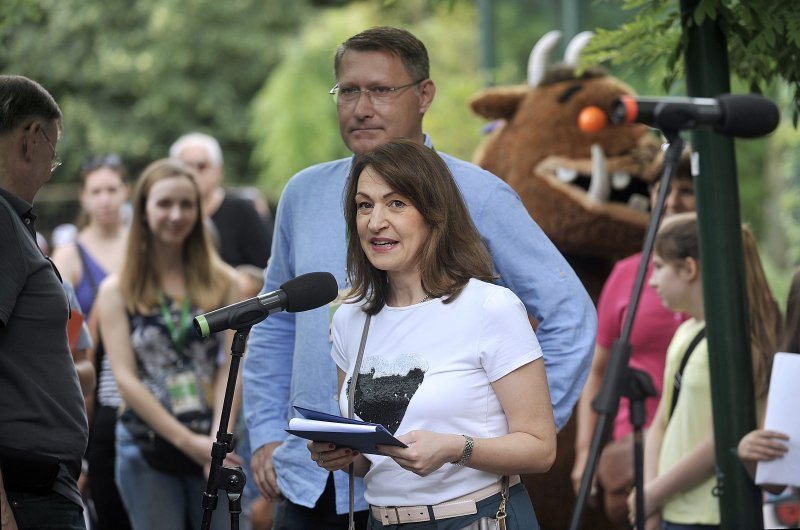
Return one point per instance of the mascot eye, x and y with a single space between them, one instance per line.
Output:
570 91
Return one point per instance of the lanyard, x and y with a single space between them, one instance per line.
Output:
178 335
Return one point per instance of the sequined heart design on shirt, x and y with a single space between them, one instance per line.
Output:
385 388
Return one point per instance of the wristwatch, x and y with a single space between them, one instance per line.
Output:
469 443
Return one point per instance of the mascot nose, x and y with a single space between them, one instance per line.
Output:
592 119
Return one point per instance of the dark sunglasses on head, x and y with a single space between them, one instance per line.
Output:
111 160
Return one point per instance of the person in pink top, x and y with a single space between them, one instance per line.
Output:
652 330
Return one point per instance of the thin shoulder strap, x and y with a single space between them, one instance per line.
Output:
351 394
679 374
87 270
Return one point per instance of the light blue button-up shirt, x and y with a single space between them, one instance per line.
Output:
288 361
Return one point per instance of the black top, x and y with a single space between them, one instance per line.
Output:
42 413
243 234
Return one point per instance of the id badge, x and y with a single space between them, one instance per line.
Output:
184 393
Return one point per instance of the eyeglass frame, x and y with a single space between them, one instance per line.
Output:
201 166
56 163
391 91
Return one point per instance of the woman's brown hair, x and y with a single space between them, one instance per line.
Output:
790 341
453 252
678 238
764 314
208 280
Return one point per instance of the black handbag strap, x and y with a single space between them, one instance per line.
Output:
351 396
351 392
679 374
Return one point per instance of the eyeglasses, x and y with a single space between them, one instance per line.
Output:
198 165
56 159
345 96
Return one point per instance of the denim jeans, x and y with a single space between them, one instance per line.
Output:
160 501
50 511
323 516
519 510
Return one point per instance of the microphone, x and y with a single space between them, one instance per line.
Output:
741 115
308 291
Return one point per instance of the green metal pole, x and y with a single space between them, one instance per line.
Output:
486 41
570 22
716 186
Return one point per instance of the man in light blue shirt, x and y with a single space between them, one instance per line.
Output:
383 91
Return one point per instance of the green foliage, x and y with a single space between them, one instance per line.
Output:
294 120
763 41
13 12
787 156
131 76
518 24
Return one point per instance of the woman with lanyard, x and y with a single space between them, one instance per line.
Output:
172 382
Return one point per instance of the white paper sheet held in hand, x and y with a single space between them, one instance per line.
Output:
784 397
302 424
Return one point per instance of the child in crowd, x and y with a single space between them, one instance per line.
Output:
679 450
762 445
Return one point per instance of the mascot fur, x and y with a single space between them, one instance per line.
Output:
587 190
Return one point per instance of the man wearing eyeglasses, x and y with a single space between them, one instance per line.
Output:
383 89
43 428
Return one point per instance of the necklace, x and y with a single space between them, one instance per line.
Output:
424 299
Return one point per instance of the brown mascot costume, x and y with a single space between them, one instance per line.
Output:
587 190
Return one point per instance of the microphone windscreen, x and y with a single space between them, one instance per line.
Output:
310 291
747 115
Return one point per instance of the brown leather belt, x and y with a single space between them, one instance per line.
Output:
464 505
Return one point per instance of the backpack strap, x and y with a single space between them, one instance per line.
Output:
679 374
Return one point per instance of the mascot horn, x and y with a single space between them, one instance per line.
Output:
587 190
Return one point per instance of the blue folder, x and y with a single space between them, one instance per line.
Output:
364 442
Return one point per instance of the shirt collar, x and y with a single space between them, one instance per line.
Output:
426 139
23 209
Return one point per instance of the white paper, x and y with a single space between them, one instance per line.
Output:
782 416
302 424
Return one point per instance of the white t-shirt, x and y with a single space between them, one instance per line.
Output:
430 366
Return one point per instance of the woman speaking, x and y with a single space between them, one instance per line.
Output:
449 363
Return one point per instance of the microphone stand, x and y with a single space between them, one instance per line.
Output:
620 379
231 479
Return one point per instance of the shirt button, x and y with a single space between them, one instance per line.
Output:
335 397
